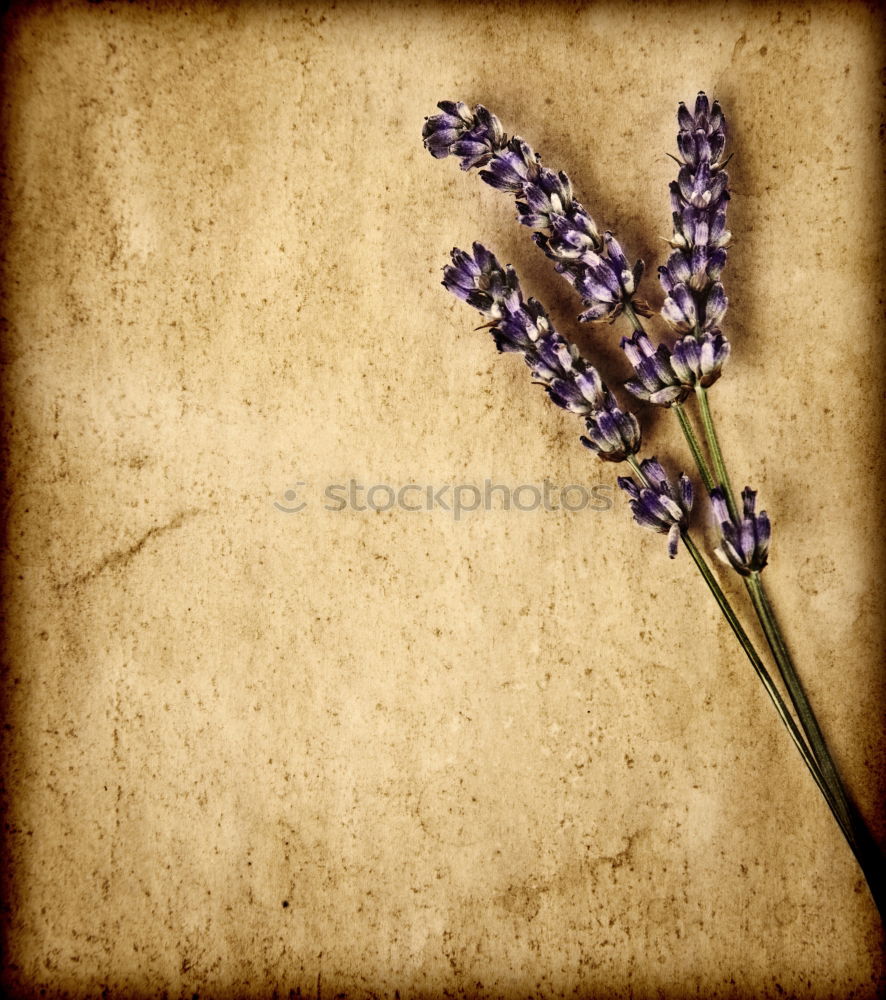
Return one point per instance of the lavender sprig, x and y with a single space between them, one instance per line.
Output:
744 543
658 505
694 305
521 325
594 265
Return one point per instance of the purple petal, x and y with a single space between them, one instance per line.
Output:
673 539
718 502
764 531
702 107
595 311
686 494
654 472
629 486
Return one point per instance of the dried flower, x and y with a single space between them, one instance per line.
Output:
744 544
613 434
695 299
700 360
523 326
656 381
472 135
595 266
666 376
658 505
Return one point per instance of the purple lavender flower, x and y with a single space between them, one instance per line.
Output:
613 434
700 360
695 300
657 380
667 376
595 266
472 135
523 326
744 545
658 505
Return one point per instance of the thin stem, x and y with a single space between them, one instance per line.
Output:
714 445
694 446
865 848
752 655
765 678
852 824
632 317
795 689
776 642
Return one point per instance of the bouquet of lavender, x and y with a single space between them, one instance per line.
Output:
695 303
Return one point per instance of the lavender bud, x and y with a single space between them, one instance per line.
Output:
659 506
612 433
679 308
472 136
744 544
512 168
699 360
581 392
714 308
656 382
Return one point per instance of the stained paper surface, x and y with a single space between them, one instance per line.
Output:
269 732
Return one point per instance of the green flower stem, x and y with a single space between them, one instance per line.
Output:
714 445
694 446
867 853
756 662
632 317
854 828
774 637
795 689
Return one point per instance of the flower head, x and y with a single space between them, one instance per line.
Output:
658 505
521 325
657 381
472 135
612 434
700 360
698 204
744 544
594 265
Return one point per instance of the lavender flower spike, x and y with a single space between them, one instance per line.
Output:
744 545
593 264
695 300
522 326
659 506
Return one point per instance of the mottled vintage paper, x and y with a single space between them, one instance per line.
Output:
258 749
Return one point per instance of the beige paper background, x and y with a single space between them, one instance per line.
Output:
254 754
